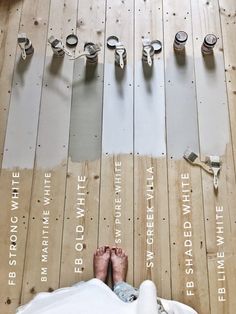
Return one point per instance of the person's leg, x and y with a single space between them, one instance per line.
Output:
123 290
101 260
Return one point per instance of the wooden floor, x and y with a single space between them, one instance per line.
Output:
93 155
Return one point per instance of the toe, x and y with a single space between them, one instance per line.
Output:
113 248
119 252
107 250
102 250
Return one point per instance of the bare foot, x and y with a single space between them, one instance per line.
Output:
101 260
119 262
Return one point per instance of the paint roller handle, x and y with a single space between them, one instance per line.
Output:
149 59
216 179
23 53
120 52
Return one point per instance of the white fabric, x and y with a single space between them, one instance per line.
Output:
94 297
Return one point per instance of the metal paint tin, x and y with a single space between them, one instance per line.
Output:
208 44
26 46
57 46
29 49
180 40
92 50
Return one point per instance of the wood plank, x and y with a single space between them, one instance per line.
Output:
102 172
82 191
116 197
215 139
228 23
188 248
19 152
151 217
10 13
43 253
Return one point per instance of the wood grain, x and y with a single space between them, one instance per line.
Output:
228 26
19 152
151 212
43 253
187 231
80 236
116 195
215 139
109 144
10 13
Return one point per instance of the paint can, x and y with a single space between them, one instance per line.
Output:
57 46
29 49
180 41
26 46
208 44
91 50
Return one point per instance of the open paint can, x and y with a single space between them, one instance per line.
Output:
208 44
91 50
26 46
57 46
180 41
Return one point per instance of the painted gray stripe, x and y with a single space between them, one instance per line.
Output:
181 109
118 110
150 109
210 79
21 133
55 112
212 104
86 112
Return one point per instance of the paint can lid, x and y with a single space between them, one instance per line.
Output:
71 40
210 40
181 37
157 45
112 41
